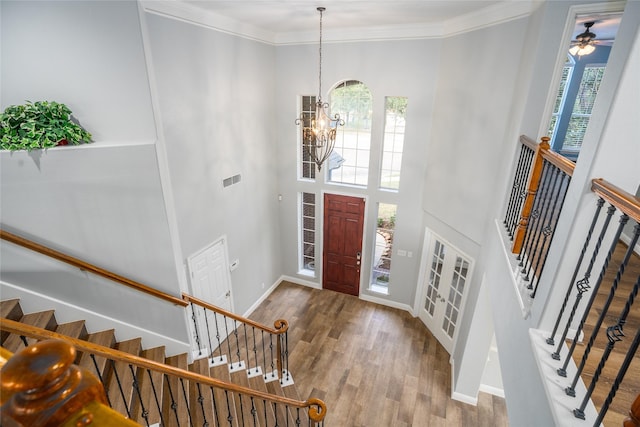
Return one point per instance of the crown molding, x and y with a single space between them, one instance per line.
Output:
190 14
483 18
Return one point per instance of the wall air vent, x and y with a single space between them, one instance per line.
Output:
231 180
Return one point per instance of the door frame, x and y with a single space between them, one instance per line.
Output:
429 237
366 256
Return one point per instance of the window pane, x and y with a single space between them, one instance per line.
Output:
394 125
587 92
307 232
560 97
350 162
381 266
308 166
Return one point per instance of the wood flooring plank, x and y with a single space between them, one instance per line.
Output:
372 365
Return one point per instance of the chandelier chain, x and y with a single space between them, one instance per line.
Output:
320 9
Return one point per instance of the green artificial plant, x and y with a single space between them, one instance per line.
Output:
40 124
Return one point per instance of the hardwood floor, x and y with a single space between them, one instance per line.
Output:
372 365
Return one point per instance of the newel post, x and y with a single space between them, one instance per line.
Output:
532 189
633 420
42 387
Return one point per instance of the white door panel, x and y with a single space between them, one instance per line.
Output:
444 286
211 282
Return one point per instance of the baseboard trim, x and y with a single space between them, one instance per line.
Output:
262 298
495 391
464 398
300 281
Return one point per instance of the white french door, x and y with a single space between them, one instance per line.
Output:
445 278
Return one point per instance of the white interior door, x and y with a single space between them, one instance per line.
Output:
446 275
211 282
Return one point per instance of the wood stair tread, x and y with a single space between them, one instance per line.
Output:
120 378
174 406
76 329
150 385
97 365
10 309
43 319
201 413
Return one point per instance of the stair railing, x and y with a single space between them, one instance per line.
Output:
226 338
537 196
85 266
214 327
180 397
597 311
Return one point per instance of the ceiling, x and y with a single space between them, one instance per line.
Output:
297 21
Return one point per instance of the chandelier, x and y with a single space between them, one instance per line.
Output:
319 135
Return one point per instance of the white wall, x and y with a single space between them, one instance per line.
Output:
216 97
101 202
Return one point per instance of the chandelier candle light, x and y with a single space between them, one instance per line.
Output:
320 136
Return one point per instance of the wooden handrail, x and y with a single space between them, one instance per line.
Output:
280 326
82 265
634 414
560 161
528 142
626 202
38 333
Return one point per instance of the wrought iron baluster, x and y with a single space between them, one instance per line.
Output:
230 416
535 247
117 377
241 417
206 323
235 333
226 328
215 318
582 286
599 205
174 404
24 340
95 364
136 389
621 373
623 221
155 396
246 343
186 400
605 308
518 189
264 357
205 423
285 354
614 334
216 415
532 222
550 229
254 412
195 327
298 420
273 370
255 348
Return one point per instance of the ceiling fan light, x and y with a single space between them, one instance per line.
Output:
587 50
574 50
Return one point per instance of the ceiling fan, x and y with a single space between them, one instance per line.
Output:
585 42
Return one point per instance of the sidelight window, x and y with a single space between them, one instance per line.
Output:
383 248
307 233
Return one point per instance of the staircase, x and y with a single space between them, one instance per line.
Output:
155 390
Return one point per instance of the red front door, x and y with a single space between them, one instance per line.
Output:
343 222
